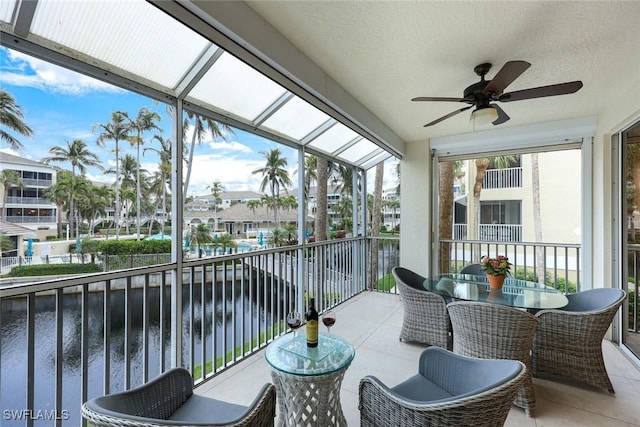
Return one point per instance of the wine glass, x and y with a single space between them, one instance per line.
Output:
294 320
329 319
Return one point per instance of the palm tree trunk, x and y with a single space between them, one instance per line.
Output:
117 213
537 221
189 165
376 226
445 214
138 190
474 219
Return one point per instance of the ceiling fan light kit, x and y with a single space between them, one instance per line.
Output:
484 116
485 93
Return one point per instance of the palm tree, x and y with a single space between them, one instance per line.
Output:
310 167
376 221
394 205
162 178
58 196
73 188
100 197
200 126
253 204
8 178
201 235
77 153
216 188
116 130
344 208
274 175
11 117
445 213
128 187
322 174
288 203
225 241
144 121
482 164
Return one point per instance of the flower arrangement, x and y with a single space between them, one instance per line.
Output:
497 266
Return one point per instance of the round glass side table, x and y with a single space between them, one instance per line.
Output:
308 380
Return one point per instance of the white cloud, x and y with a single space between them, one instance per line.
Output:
28 71
230 146
234 173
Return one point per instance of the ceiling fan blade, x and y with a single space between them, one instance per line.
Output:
542 91
507 74
436 121
437 98
502 116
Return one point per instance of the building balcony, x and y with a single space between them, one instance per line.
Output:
28 201
25 219
502 178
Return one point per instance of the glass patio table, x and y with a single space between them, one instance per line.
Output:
515 292
308 380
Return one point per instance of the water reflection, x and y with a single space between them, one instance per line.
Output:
230 321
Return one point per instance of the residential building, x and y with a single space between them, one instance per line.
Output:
26 205
391 208
506 211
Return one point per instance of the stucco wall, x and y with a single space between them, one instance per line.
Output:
415 198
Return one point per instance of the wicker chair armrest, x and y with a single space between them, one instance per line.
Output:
154 400
380 406
262 410
260 413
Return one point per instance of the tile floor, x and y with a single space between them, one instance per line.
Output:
371 322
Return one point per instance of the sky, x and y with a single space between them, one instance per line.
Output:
61 105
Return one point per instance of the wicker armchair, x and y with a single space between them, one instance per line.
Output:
569 340
168 400
496 332
425 313
475 269
449 390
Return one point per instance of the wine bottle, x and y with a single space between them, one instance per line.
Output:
312 325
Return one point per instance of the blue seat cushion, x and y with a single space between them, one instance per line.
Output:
199 409
420 389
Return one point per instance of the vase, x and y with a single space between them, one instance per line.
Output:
495 295
496 282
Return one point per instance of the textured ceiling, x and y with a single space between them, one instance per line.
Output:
385 53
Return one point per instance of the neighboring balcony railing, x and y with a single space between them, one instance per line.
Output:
80 337
502 178
29 201
491 232
26 219
558 262
37 182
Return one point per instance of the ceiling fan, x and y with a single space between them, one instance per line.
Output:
483 94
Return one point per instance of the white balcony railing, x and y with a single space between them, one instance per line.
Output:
502 178
491 232
96 334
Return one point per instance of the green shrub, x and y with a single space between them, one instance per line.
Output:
129 247
53 269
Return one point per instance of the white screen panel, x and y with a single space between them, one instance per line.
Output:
296 119
131 35
233 86
334 138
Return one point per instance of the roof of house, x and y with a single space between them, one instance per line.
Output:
240 212
10 229
13 159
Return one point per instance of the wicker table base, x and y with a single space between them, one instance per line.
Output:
309 400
